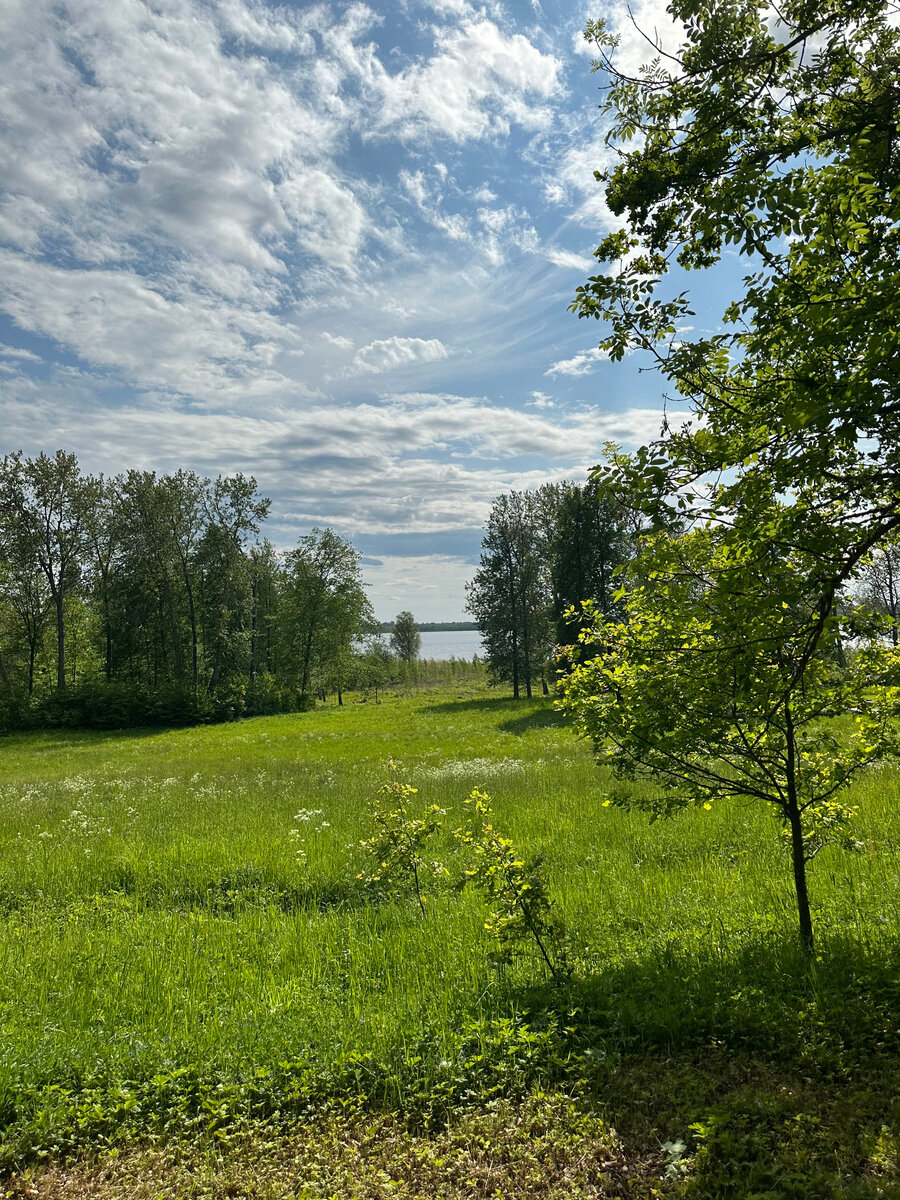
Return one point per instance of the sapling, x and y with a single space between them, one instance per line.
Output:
512 886
397 848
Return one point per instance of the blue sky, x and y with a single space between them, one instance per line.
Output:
329 245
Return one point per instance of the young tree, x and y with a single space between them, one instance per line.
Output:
695 691
406 642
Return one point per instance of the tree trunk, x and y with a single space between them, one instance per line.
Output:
60 640
107 621
798 852
173 623
254 604
195 673
892 595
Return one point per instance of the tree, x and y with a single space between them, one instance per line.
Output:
509 594
326 603
779 139
879 579
150 593
694 690
234 512
591 540
47 499
406 641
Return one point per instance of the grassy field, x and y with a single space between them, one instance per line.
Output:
193 981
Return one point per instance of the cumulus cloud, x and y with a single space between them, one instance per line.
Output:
478 83
392 352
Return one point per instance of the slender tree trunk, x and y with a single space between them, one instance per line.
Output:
892 596
107 621
515 666
526 650
798 853
254 603
195 672
173 622
4 674
60 639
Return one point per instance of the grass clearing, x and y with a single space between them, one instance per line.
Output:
186 953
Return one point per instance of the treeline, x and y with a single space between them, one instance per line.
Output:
544 553
436 626
154 598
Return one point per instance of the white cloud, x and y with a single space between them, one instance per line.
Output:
118 319
17 352
477 84
339 340
391 352
580 364
568 258
416 461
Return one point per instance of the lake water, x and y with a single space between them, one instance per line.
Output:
452 643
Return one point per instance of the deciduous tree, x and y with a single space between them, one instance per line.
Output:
406 642
775 134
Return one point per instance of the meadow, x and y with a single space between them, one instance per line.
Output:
194 980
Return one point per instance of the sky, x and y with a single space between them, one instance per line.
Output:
331 246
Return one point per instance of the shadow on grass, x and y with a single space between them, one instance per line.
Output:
226 894
538 712
542 718
66 739
767 1076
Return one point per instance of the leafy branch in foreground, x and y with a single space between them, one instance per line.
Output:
397 848
514 887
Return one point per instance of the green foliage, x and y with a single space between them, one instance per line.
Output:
406 641
727 678
397 849
709 688
509 594
513 887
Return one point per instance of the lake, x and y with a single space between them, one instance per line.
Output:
451 643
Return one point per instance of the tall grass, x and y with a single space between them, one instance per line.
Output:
185 905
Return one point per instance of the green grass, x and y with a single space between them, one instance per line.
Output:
181 953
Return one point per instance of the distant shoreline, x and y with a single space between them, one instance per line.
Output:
435 626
